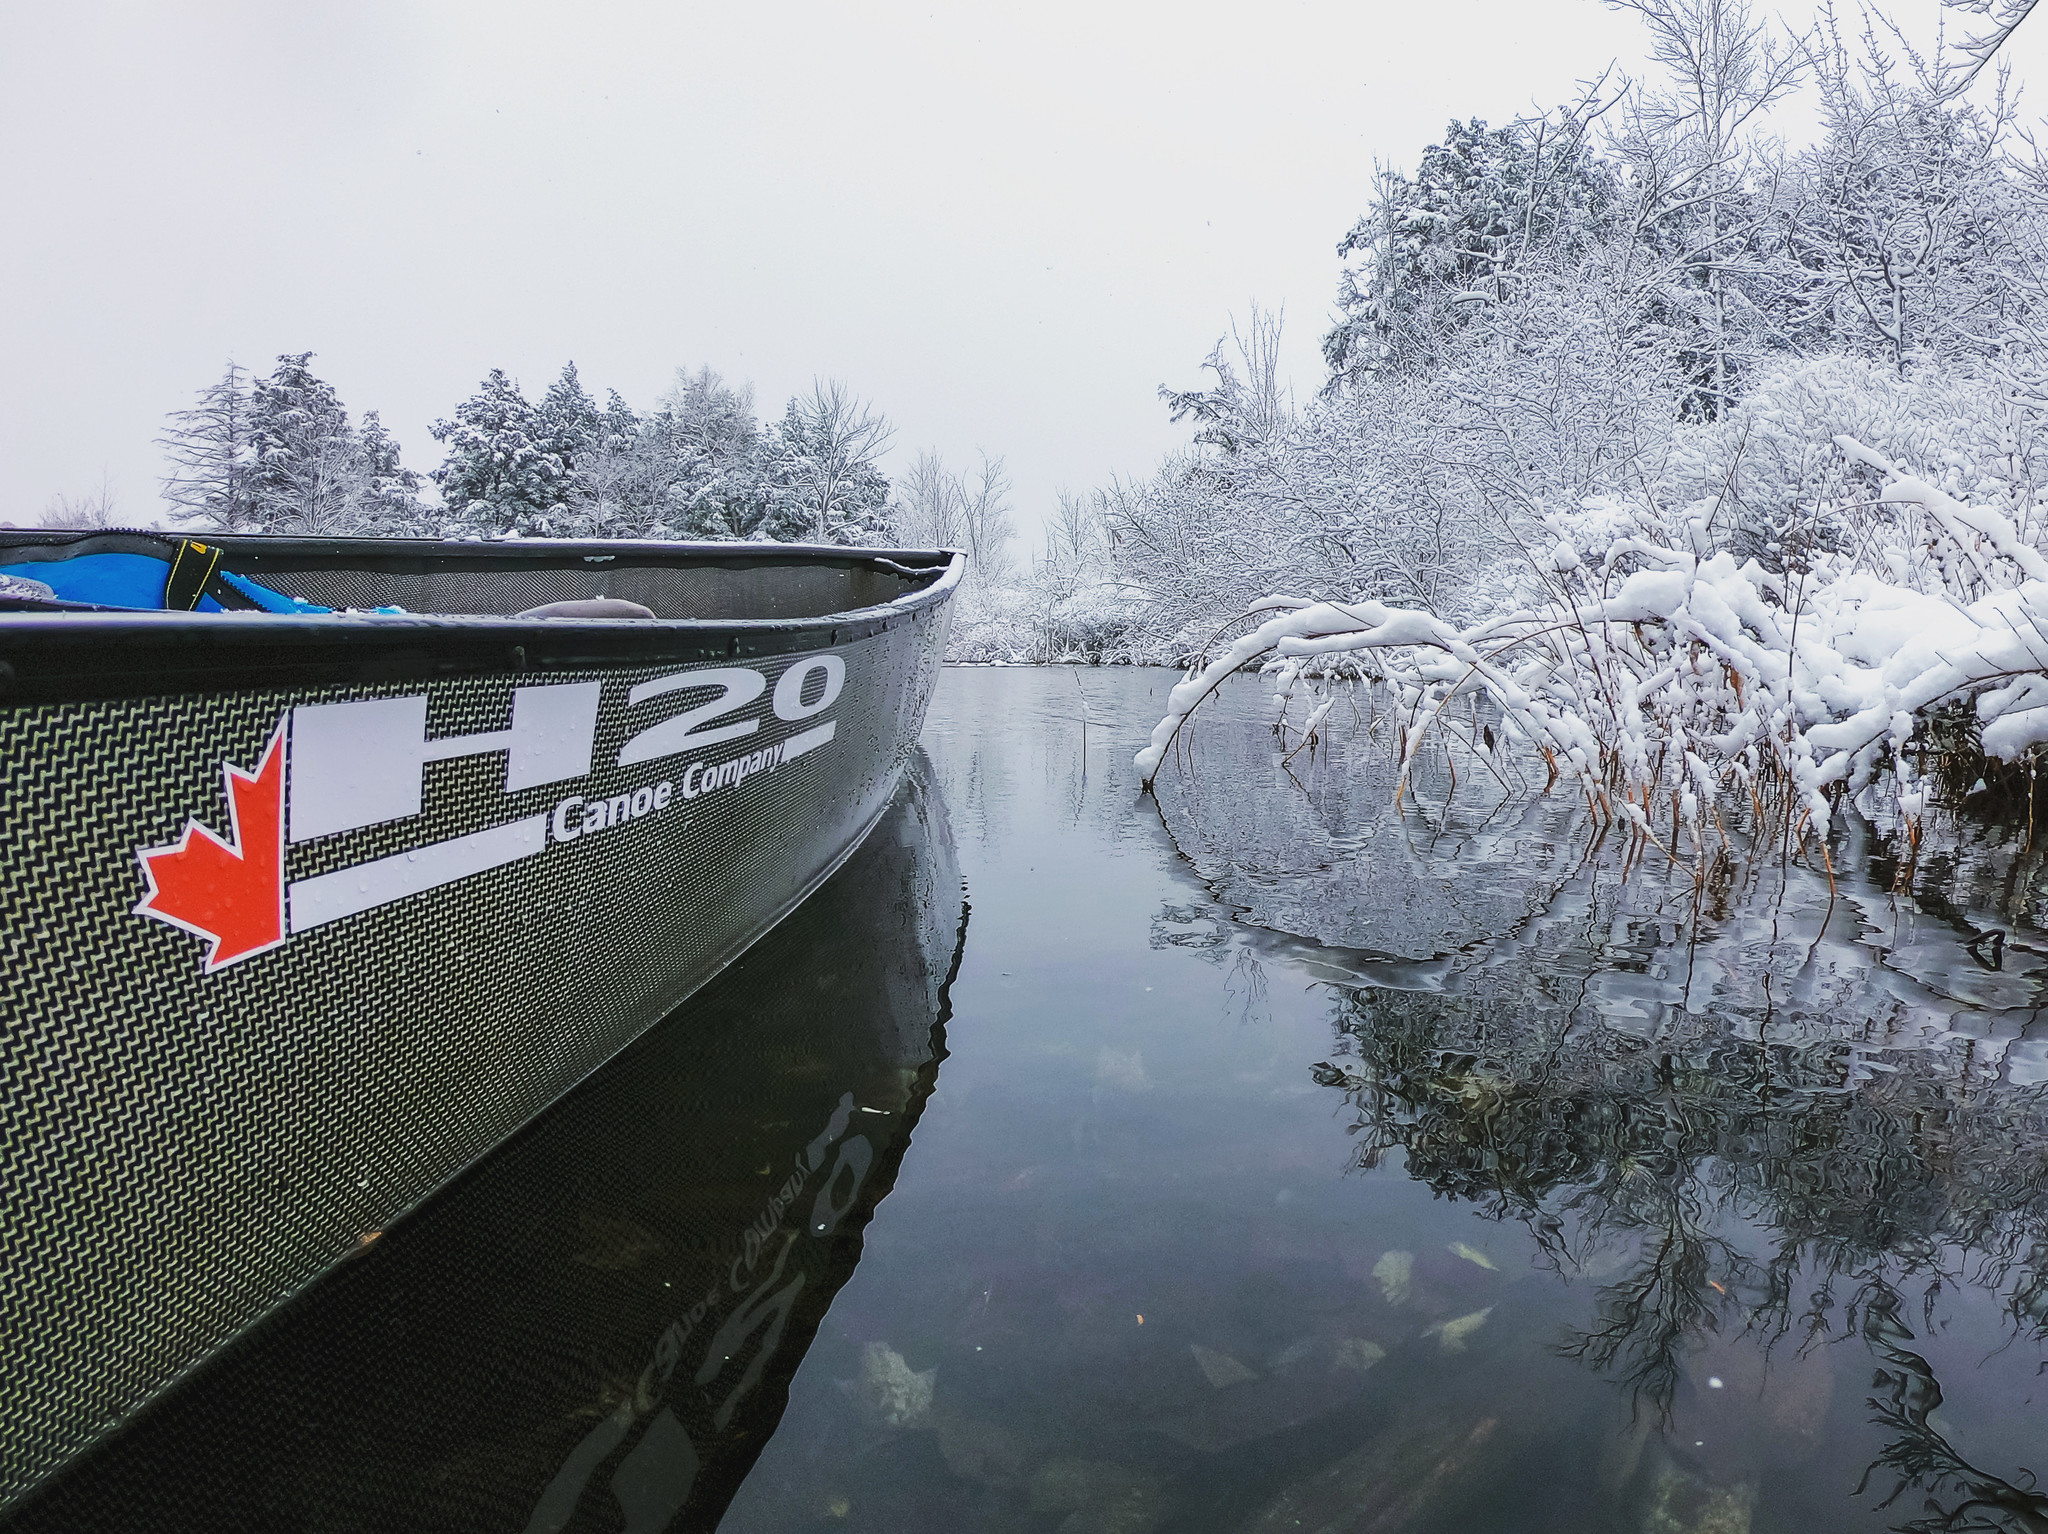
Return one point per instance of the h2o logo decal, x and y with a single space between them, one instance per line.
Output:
330 768
692 729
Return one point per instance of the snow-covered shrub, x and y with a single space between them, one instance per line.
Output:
1067 609
1773 483
1351 495
1670 681
1711 463
1001 625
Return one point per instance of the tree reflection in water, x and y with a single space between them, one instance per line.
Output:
1775 1114
1960 1497
1791 1193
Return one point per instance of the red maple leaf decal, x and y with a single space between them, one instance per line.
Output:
230 893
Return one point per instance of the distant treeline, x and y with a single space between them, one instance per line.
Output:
279 454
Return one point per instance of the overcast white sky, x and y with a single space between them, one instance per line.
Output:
1004 224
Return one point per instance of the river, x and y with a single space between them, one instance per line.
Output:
1265 1157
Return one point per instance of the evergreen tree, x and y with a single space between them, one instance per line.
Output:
700 466
387 491
212 456
277 455
304 455
1438 247
823 482
570 425
621 423
710 460
499 475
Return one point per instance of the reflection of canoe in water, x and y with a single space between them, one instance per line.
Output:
595 1329
306 911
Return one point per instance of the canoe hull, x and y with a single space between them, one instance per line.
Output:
597 1326
284 959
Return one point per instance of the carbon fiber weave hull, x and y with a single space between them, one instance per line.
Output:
304 915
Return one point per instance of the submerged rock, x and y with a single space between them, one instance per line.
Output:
1395 1272
896 1394
1129 1517
980 1451
1683 1503
1451 1336
1473 1254
1657 1490
1098 1497
1390 1483
1767 1404
1295 1352
1357 1354
1751 1403
1309 1378
1220 1368
1450 1282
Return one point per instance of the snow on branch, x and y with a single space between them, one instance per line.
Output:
1662 676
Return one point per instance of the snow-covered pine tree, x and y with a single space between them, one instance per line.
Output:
499 476
1437 247
824 484
387 492
621 422
211 456
700 466
305 466
709 460
570 425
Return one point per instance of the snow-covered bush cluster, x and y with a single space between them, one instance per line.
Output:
1701 468
1664 679
1063 606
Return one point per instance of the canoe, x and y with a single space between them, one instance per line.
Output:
596 1327
323 881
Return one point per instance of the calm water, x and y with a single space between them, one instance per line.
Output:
1513 1208
1266 1159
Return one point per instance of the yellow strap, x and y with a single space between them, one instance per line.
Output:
191 568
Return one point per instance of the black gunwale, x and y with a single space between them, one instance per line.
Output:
48 657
